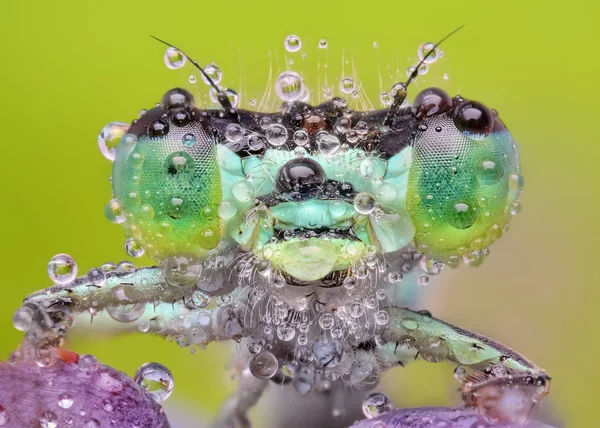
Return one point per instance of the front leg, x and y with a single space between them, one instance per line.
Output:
141 297
491 374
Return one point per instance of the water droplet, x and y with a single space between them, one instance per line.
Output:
489 171
349 283
62 269
97 277
192 79
328 144
424 49
91 423
326 321
48 420
445 76
234 132
181 270
227 209
277 134
474 258
212 95
156 380
361 271
516 182
285 332
214 73
430 266
372 168
292 43
174 59
375 45
409 323
337 208
234 97
376 404
460 373
125 267
301 137
256 142
356 310
289 86
23 318
395 277
200 300
3 416
370 302
144 326
109 138
386 98
302 339
461 215
133 248
352 136
434 349
515 208
263 365
322 44
242 191
128 304
364 203
423 69
189 140
347 85
65 400
177 98
423 280
327 353
158 128
381 317
180 165
361 127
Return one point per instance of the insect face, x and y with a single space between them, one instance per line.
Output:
315 190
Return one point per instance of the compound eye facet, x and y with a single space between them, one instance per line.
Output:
300 174
432 101
168 181
473 119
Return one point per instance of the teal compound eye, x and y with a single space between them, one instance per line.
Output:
166 181
464 181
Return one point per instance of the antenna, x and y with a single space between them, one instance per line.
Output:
401 93
221 96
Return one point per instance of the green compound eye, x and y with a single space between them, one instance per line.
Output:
168 182
464 182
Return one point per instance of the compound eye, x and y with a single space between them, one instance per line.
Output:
167 180
473 119
462 191
432 101
300 174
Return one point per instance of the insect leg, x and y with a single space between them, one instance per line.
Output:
486 369
249 390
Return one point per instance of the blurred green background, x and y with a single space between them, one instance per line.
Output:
71 66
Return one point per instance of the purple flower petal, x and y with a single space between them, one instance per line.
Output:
84 394
439 417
